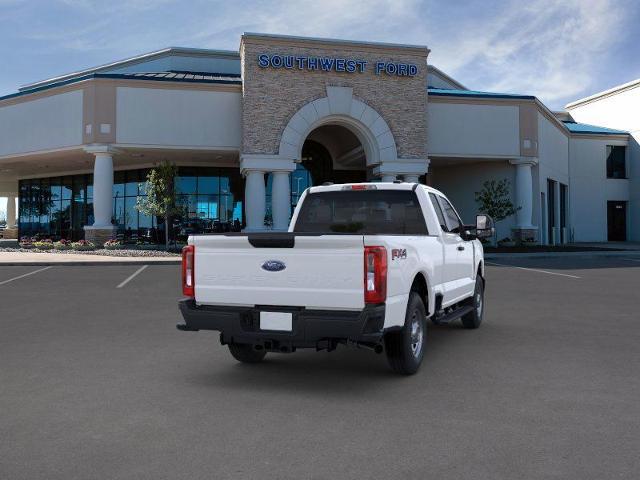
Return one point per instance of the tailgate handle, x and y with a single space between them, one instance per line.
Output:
272 240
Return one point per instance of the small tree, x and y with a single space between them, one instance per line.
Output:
495 199
160 199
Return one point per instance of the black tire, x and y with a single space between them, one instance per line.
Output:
405 348
473 319
246 354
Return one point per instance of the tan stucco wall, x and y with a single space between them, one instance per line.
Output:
272 96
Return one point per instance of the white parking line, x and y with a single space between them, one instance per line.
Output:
533 270
132 276
25 275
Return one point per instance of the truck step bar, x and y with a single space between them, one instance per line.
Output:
442 318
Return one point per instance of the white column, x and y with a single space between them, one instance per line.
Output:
11 212
255 200
408 169
281 200
412 178
524 193
103 190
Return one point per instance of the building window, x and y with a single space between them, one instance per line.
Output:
211 199
59 207
616 161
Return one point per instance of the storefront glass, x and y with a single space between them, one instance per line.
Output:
211 200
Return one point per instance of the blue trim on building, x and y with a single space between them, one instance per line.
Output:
444 92
585 128
227 79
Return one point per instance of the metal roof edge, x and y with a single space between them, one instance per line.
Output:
124 76
131 61
447 77
597 130
476 94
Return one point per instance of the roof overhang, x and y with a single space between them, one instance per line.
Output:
145 57
444 76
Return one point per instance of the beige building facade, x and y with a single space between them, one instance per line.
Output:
250 130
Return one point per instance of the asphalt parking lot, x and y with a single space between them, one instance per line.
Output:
96 383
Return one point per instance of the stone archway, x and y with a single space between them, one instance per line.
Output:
339 107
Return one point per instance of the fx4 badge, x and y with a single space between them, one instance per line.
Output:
398 253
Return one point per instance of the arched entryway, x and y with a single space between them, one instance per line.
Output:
330 153
336 138
333 153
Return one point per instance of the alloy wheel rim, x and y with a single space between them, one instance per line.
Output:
417 335
479 304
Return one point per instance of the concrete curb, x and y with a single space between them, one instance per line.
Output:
617 253
92 263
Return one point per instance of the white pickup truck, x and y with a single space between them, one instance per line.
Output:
362 264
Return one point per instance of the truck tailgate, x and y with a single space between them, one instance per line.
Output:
320 271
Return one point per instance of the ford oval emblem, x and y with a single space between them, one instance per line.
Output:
273 266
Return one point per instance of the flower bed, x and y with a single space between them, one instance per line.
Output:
26 242
113 245
112 248
83 245
62 245
129 252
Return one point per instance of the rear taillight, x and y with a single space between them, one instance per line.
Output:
375 274
188 274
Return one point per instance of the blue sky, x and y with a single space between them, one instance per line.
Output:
557 50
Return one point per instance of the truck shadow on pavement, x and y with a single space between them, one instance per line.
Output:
343 371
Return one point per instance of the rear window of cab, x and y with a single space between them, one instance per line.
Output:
367 212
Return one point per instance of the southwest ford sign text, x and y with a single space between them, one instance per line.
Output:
332 64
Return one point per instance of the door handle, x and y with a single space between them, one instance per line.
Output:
460 248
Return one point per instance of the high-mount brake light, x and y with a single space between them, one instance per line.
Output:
375 274
360 186
188 271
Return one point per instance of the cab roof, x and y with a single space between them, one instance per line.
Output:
371 186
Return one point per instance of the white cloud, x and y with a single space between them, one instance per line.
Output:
546 48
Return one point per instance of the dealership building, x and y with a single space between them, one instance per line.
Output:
250 130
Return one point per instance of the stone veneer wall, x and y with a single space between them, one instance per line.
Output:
272 96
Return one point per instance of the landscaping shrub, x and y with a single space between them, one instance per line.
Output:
113 244
26 242
83 245
62 245
46 244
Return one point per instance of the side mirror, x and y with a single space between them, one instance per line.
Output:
484 226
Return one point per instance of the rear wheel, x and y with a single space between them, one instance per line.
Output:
405 349
246 354
473 319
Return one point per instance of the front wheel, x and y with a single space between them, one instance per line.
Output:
473 319
405 349
246 354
